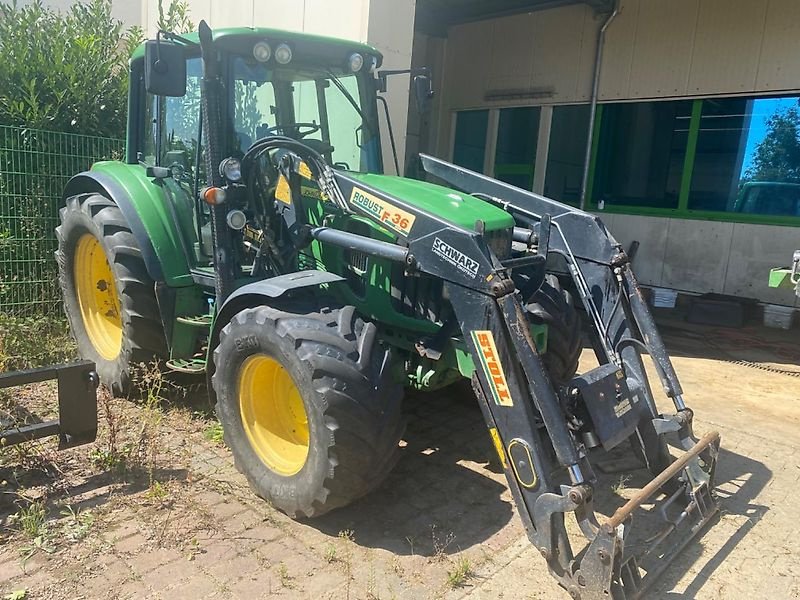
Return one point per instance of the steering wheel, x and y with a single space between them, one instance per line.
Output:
293 130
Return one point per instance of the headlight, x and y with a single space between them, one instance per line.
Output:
231 169
356 61
236 219
262 51
283 54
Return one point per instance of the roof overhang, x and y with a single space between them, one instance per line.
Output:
433 17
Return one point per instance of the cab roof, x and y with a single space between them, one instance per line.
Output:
276 36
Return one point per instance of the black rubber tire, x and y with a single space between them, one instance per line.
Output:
142 330
553 306
353 407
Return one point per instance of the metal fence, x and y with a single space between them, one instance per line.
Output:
35 165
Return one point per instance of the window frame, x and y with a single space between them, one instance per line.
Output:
682 211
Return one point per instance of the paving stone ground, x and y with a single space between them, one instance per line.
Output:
204 535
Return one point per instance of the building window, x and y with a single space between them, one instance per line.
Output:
517 134
641 152
747 158
469 149
566 153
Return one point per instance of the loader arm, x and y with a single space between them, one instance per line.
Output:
546 464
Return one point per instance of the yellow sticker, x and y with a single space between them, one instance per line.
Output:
490 360
498 445
282 190
304 170
393 217
526 480
313 192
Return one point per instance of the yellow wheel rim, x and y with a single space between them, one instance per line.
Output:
97 297
273 415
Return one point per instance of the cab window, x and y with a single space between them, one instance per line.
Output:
172 125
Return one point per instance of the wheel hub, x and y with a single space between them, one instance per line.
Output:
273 415
97 297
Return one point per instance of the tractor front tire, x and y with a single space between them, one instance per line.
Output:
553 306
307 405
109 298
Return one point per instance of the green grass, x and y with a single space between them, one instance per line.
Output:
213 433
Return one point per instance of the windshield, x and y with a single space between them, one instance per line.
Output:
320 107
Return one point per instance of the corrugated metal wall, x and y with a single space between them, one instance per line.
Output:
654 49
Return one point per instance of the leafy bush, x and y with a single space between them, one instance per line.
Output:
65 71
28 342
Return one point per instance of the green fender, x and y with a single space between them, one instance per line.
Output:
151 213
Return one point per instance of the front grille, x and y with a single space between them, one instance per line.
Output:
357 260
418 297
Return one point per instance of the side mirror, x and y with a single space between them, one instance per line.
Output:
423 92
164 68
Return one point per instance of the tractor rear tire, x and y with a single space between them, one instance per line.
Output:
307 405
109 298
553 306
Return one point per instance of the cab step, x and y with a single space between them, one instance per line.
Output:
184 365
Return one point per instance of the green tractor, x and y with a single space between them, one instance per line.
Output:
251 234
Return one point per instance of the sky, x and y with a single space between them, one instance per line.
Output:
763 109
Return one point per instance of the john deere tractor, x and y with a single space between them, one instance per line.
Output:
251 234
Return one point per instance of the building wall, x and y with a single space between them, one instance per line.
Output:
127 11
707 256
654 49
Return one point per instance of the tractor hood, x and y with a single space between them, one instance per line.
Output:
456 207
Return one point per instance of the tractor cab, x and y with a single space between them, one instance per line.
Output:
319 90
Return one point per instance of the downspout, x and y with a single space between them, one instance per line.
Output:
598 61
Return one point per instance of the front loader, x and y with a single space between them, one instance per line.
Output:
252 235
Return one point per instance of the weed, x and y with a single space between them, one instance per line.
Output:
157 491
213 433
16 595
462 570
346 540
372 592
397 567
32 519
411 541
330 553
153 387
77 524
194 549
112 457
440 545
621 485
109 460
283 575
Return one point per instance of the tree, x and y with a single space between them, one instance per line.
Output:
777 156
175 18
65 71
